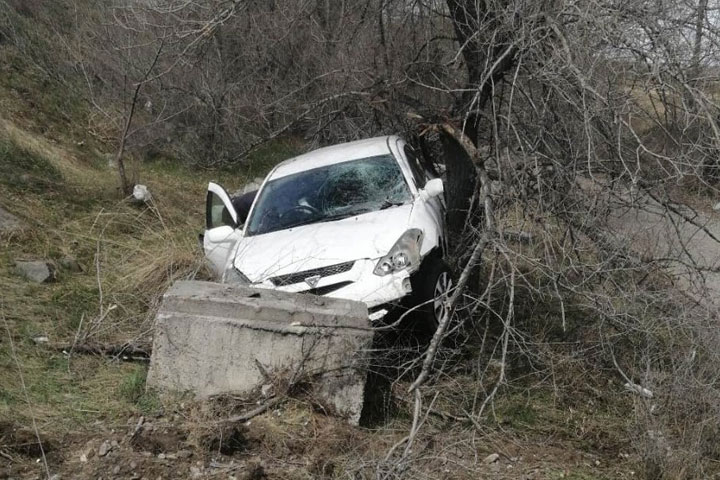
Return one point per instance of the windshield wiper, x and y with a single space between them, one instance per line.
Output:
340 216
389 203
328 218
299 223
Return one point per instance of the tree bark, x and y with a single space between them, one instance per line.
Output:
482 70
701 12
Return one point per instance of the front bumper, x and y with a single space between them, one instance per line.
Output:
359 283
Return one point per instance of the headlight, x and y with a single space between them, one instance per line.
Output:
405 254
233 275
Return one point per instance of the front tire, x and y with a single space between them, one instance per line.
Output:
434 284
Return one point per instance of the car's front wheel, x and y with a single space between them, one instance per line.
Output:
434 286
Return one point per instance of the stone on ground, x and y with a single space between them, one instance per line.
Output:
36 271
70 263
9 222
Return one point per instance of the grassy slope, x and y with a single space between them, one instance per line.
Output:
67 195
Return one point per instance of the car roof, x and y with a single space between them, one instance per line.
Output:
343 152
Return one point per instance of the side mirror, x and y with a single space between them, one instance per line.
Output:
433 188
220 234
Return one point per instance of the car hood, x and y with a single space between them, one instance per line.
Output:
370 235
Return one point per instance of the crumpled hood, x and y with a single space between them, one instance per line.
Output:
370 235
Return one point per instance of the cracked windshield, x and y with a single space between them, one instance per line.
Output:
332 192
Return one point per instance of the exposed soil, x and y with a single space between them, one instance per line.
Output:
294 442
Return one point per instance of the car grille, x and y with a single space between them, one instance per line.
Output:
293 278
328 288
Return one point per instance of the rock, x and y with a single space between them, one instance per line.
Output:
141 194
87 452
716 207
38 272
116 469
56 477
39 339
492 458
9 222
104 449
266 390
69 263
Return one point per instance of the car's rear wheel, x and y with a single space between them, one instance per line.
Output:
433 286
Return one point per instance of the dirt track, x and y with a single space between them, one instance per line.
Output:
687 243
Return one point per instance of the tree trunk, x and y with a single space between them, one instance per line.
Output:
697 47
483 71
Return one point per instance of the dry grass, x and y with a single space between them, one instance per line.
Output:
128 255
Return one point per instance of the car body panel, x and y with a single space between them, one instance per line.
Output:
370 235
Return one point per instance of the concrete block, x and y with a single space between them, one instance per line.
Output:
210 337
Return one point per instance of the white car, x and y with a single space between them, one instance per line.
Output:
362 221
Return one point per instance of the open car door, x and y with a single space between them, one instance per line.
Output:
222 230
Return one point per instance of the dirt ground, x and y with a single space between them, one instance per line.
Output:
292 442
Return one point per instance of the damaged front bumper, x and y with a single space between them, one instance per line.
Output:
358 283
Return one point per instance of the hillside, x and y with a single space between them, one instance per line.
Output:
582 341
113 260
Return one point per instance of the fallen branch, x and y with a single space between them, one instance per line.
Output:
125 351
249 415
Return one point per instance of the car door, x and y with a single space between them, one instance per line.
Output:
222 229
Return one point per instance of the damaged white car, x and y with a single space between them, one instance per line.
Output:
362 221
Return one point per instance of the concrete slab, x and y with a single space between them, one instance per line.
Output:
210 338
